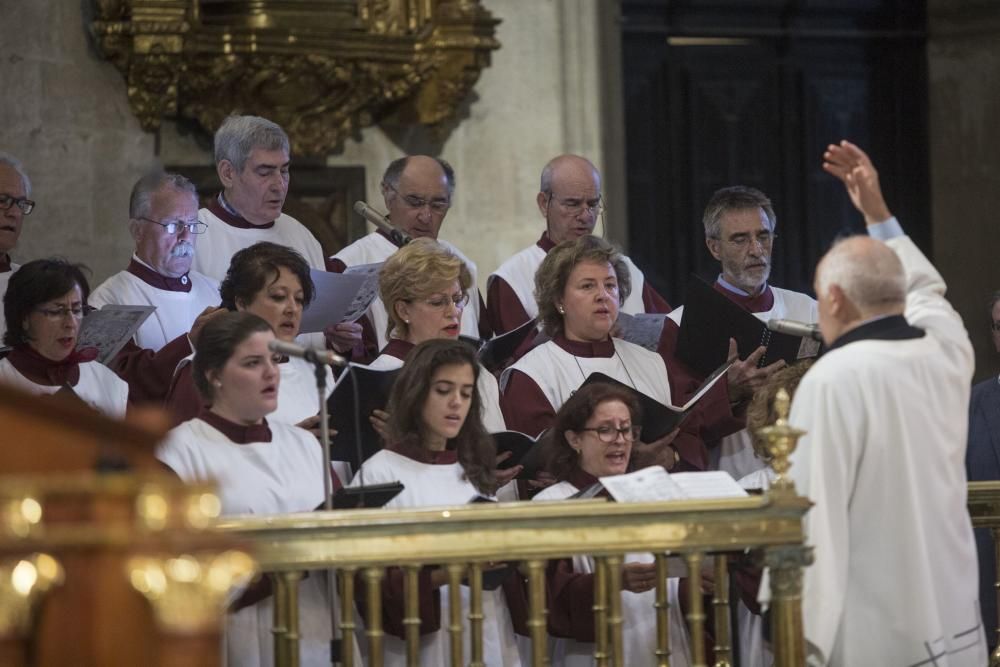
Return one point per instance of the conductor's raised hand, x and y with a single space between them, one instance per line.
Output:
855 169
743 377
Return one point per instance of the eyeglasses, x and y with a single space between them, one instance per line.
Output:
415 202
742 241
575 206
26 205
995 326
175 226
609 434
60 313
442 301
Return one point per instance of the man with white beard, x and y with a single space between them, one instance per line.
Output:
163 221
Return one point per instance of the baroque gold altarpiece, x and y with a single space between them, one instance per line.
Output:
322 69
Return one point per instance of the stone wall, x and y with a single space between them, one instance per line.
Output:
964 75
64 112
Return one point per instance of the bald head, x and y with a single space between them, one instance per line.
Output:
417 190
858 279
569 197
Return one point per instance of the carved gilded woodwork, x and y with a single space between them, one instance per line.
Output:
322 69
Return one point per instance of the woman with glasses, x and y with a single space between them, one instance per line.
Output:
580 287
271 281
441 453
44 303
425 289
592 436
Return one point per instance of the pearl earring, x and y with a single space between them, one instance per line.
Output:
562 311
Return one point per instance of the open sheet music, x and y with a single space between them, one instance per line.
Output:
655 483
340 297
110 328
642 329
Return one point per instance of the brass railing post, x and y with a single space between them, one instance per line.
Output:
373 624
614 576
536 612
476 614
662 606
696 609
286 618
786 565
411 619
347 628
600 612
720 613
455 612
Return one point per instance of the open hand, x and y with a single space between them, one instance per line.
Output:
505 475
380 422
743 377
344 336
855 169
658 452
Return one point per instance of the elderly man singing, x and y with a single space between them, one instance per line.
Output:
15 190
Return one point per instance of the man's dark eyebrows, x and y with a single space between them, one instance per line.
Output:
273 166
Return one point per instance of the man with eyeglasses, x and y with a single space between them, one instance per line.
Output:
982 463
417 190
163 221
739 224
569 200
15 190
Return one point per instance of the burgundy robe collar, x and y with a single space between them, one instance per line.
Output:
42 370
238 433
761 303
545 243
581 479
232 218
604 348
4 263
412 450
158 280
397 347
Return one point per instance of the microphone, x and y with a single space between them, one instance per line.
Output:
794 328
398 236
311 354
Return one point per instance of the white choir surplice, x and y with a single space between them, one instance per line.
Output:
260 478
4 280
175 311
638 614
98 387
375 248
429 485
489 392
735 451
221 241
894 581
519 271
558 373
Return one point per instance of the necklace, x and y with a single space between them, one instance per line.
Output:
620 361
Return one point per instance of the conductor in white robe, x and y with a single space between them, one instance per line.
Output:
894 581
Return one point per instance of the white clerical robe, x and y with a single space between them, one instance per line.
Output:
638 614
175 311
894 580
518 271
375 248
4 280
98 387
260 478
558 373
429 485
221 241
735 451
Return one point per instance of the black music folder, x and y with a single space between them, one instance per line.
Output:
710 320
658 419
373 495
525 450
373 391
495 353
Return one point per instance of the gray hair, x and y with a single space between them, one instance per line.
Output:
868 271
734 198
15 164
396 168
239 135
142 192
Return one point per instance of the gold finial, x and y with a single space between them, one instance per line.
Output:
189 593
781 439
22 583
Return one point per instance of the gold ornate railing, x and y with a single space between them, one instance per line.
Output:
984 508
464 538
